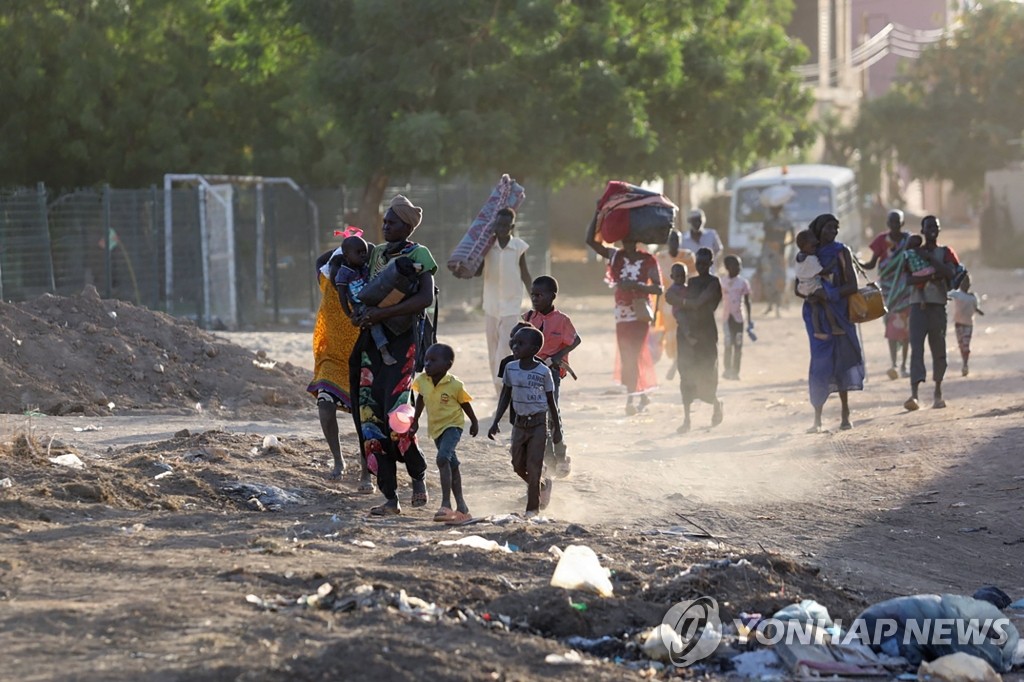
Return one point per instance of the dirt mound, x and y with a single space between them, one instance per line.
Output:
80 355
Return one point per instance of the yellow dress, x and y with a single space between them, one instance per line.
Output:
334 337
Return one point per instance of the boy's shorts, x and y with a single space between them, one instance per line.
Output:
446 444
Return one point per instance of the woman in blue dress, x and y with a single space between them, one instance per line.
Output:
837 363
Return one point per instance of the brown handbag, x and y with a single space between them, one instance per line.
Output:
866 304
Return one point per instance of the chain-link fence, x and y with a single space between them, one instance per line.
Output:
225 252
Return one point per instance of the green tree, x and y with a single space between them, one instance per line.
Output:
123 92
550 90
956 113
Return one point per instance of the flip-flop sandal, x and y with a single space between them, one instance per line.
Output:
385 510
459 519
444 514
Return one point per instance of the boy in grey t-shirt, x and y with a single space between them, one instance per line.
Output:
527 385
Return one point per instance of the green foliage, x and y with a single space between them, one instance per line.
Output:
122 91
957 112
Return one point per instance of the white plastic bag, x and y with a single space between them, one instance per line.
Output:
580 569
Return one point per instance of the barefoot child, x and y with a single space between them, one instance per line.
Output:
735 296
528 386
560 338
809 284
352 276
965 304
445 399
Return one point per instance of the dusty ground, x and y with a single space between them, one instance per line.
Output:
110 573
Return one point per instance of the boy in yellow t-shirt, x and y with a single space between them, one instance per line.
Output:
445 399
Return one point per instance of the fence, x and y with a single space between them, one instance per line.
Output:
232 252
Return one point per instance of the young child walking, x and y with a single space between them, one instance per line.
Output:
809 284
352 276
560 338
965 304
736 296
444 398
527 385
674 296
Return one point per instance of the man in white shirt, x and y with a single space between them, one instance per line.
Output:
700 237
504 272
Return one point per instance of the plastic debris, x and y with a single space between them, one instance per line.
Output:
69 460
568 658
90 427
363 543
268 497
958 667
7 482
579 569
761 663
661 642
477 542
270 443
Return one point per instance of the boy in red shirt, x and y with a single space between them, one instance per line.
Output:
560 338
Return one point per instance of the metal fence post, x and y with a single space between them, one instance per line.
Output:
107 264
44 221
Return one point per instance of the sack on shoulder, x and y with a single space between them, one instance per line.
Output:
642 309
866 304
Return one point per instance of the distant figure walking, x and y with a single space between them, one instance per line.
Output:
771 266
837 364
928 295
505 277
636 277
697 339
886 250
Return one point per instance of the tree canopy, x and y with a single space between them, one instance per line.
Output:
956 112
363 91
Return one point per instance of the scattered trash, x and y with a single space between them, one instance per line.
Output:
271 445
477 542
363 543
661 642
418 608
958 667
69 460
323 598
267 497
269 364
809 612
163 474
807 660
90 427
568 658
760 663
578 605
579 569
594 646
7 482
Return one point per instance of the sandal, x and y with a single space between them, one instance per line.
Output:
386 509
443 514
419 494
458 518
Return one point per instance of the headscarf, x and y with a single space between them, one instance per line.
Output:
819 223
407 213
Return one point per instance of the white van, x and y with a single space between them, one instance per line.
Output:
816 189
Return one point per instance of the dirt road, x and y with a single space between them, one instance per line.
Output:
132 577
